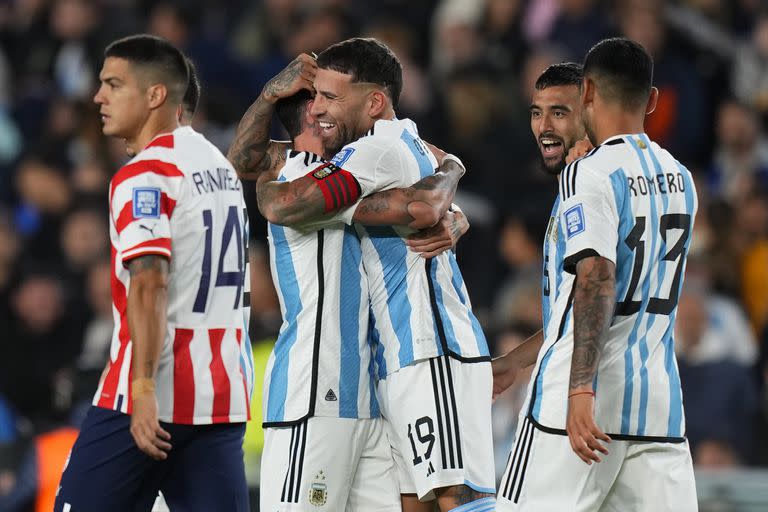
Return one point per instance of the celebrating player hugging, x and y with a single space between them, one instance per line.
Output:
377 395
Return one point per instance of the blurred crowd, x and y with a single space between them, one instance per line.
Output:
469 70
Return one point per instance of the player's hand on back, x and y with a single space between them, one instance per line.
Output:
441 237
583 433
581 148
149 436
298 75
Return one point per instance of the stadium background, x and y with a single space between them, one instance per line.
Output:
469 71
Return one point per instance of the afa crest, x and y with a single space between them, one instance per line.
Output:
324 171
318 490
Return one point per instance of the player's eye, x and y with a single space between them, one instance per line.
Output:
559 114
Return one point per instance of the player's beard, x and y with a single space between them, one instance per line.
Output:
345 134
553 168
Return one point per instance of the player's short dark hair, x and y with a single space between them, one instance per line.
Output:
563 73
291 112
165 63
622 70
367 60
192 94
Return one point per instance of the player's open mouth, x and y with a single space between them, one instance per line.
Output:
550 147
326 127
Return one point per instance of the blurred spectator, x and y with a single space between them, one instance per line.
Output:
741 156
677 124
37 354
715 349
750 68
712 328
752 227
578 26
518 297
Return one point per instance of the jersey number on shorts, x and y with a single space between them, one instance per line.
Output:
636 243
223 278
427 438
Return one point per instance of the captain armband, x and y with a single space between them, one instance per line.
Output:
339 187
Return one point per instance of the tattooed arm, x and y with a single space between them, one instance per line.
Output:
252 152
147 322
419 206
594 300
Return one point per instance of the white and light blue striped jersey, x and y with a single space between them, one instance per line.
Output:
321 364
420 308
631 202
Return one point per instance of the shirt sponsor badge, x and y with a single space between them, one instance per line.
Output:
342 156
146 203
574 220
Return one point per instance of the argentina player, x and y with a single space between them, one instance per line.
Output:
607 372
323 437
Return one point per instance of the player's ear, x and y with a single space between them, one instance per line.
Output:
653 99
587 91
156 95
377 103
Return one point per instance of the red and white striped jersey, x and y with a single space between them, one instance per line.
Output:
180 198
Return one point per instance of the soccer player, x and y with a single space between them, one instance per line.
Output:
169 413
604 416
343 459
557 126
431 355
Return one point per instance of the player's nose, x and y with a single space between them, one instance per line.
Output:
317 107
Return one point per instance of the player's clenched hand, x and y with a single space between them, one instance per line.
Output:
439 238
298 75
146 430
581 148
583 433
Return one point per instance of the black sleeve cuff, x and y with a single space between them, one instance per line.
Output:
569 264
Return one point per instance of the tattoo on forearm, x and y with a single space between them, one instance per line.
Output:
251 151
148 262
290 202
284 79
593 303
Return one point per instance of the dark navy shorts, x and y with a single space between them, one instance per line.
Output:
107 472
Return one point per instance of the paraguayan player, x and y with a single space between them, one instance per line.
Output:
170 410
324 442
604 417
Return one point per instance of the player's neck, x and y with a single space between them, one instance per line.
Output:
307 141
156 124
617 122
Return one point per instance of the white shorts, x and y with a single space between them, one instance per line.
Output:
438 416
545 475
328 464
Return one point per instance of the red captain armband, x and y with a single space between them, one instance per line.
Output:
339 187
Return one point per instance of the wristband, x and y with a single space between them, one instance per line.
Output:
142 386
582 393
454 158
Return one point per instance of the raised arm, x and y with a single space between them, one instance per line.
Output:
594 299
252 152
